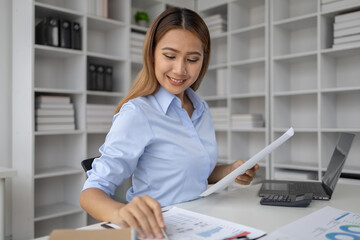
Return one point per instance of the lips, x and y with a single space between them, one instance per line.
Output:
175 81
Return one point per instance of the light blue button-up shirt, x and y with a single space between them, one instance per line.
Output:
169 154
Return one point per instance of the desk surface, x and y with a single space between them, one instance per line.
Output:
243 206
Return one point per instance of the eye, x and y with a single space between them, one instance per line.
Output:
169 56
193 60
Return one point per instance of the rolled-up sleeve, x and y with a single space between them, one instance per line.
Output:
130 133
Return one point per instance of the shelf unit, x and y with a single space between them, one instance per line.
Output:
50 176
243 51
313 88
279 62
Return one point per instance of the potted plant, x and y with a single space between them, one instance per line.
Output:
142 18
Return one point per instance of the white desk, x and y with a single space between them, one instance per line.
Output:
243 206
4 173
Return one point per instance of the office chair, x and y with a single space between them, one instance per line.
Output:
120 192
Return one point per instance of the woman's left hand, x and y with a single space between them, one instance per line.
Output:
248 176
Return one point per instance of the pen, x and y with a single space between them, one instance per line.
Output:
164 234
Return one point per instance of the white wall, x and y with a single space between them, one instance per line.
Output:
5 97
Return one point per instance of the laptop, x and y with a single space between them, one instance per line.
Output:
321 190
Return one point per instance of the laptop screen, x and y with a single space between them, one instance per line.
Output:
337 161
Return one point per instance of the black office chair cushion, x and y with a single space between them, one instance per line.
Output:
87 164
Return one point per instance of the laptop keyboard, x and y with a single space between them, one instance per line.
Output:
316 189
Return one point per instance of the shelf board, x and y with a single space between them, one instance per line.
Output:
213 98
234 129
55 210
296 130
57 91
56 52
217 66
56 172
58 132
247 95
297 22
138 28
105 56
338 130
294 93
105 94
341 52
103 24
260 26
294 19
250 62
43 10
97 131
342 9
295 56
340 89
297 166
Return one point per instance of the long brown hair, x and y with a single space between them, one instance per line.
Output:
172 18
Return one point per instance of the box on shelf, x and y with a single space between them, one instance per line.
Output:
216 23
99 8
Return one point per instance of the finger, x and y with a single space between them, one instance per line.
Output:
156 208
130 222
142 216
242 182
148 211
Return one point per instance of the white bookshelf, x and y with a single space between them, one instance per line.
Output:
243 50
313 87
277 59
50 175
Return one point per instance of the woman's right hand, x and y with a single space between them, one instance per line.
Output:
144 214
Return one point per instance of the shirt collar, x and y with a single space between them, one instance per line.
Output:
165 98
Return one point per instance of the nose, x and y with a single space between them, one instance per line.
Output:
180 67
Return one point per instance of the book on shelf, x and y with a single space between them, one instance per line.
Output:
98 8
54 112
247 124
247 117
137 36
347 44
56 119
347 39
136 50
55 127
54 105
335 5
54 99
347 24
247 120
136 43
346 32
347 16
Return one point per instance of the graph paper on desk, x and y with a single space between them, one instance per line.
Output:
183 224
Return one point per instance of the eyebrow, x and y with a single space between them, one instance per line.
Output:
177 51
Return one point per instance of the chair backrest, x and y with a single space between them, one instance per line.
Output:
87 164
120 192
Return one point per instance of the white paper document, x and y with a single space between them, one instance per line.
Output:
326 223
183 224
228 179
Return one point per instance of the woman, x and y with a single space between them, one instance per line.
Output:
162 133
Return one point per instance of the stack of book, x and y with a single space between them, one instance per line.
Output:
98 8
247 121
330 5
54 113
136 44
99 117
217 24
219 117
347 29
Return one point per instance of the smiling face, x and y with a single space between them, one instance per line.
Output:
178 60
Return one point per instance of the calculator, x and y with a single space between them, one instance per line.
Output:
285 200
